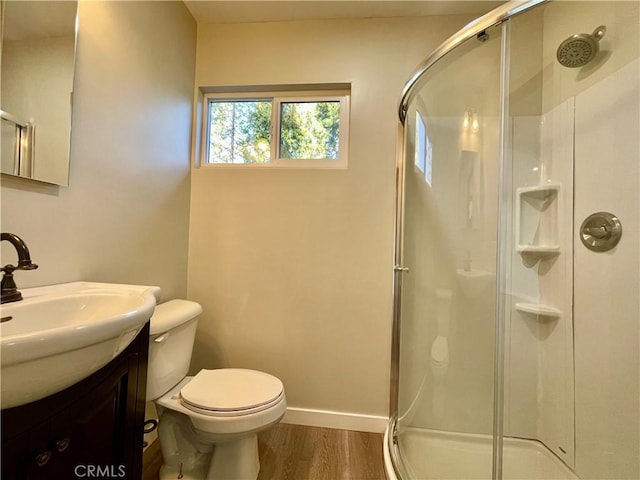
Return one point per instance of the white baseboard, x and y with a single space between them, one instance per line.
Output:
331 419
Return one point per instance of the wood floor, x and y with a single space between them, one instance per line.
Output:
296 452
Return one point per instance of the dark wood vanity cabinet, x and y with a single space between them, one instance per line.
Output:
93 429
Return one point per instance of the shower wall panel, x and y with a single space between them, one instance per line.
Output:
607 284
539 362
521 348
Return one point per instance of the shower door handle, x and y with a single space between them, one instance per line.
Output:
400 268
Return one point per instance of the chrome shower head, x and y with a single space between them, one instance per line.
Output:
578 50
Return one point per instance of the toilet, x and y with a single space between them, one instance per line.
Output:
208 423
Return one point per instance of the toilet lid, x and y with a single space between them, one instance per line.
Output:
231 390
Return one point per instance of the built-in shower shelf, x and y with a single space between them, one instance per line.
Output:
542 250
537 220
538 309
540 192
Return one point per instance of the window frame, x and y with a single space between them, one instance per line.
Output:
277 98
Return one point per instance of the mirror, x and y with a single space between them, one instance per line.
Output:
36 77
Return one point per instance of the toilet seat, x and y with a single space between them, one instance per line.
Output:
231 392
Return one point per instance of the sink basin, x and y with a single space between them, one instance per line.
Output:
61 334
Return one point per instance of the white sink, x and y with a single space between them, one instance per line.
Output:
61 334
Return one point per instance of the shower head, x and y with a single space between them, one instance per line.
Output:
578 50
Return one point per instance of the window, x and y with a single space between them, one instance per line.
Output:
282 129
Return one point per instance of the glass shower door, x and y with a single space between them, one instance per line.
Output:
518 343
451 174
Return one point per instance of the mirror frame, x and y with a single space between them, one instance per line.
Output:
26 151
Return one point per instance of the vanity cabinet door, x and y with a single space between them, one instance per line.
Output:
90 435
27 455
93 429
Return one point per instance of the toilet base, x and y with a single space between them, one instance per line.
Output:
234 460
171 473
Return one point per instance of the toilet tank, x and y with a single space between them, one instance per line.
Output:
171 336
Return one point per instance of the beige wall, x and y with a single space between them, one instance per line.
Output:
124 216
293 267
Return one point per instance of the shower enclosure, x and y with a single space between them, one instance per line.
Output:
517 316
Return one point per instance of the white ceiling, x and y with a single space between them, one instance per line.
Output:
241 11
31 19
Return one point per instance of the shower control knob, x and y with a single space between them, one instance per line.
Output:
600 231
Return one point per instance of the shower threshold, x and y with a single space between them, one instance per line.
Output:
436 455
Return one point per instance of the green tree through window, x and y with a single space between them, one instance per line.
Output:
309 129
240 132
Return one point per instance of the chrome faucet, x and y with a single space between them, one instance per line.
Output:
10 292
